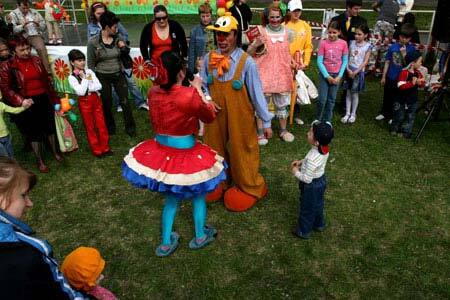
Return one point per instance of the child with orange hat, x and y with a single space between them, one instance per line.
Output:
83 269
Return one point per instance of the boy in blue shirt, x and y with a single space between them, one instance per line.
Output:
395 62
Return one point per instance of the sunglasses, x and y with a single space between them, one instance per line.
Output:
161 18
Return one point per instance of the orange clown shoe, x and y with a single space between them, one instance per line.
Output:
238 201
215 195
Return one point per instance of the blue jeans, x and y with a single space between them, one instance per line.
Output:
310 215
403 118
132 88
6 148
327 99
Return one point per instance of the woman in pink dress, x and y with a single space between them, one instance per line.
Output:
275 67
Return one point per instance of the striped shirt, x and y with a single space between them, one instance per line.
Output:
313 166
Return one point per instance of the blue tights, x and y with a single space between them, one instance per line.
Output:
170 210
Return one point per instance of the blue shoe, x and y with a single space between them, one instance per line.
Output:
299 234
174 242
210 236
319 229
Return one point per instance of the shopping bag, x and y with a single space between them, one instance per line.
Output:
64 132
311 88
302 91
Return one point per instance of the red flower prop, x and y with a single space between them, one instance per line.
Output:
61 69
140 68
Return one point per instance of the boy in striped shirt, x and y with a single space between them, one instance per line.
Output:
310 171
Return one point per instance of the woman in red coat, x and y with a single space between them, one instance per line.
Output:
25 77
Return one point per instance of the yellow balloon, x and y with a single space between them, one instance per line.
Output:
229 4
220 11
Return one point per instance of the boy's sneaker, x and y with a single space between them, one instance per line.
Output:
59 42
143 106
119 108
319 229
298 234
404 135
262 141
345 119
379 117
299 121
352 119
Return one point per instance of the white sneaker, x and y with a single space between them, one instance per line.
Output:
119 108
262 141
345 119
352 119
143 106
390 122
299 121
379 117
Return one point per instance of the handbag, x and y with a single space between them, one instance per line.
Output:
64 133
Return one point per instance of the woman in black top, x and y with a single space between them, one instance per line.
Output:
161 29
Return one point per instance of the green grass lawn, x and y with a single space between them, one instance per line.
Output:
387 212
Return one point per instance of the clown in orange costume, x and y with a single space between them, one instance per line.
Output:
231 79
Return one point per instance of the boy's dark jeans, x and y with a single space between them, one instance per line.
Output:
389 97
403 113
311 206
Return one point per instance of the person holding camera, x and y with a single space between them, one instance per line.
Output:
31 25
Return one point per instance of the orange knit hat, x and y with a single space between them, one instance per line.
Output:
82 267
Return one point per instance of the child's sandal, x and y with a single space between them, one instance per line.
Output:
164 251
210 236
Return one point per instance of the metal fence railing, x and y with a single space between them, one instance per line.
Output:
73 11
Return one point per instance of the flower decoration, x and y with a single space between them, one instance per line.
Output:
61 69
140 68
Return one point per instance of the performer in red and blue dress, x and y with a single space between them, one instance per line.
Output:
174 163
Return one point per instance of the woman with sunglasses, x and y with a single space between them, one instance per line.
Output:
274 67
162 35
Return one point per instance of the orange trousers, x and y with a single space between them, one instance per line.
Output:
233 134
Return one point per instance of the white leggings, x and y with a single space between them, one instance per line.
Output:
351 103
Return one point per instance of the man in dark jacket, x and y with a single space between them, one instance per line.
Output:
5 29
350 19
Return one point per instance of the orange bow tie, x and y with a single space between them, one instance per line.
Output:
219 62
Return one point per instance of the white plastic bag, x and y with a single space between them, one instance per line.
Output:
312 90
302 91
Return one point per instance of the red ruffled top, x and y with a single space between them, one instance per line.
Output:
177 111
